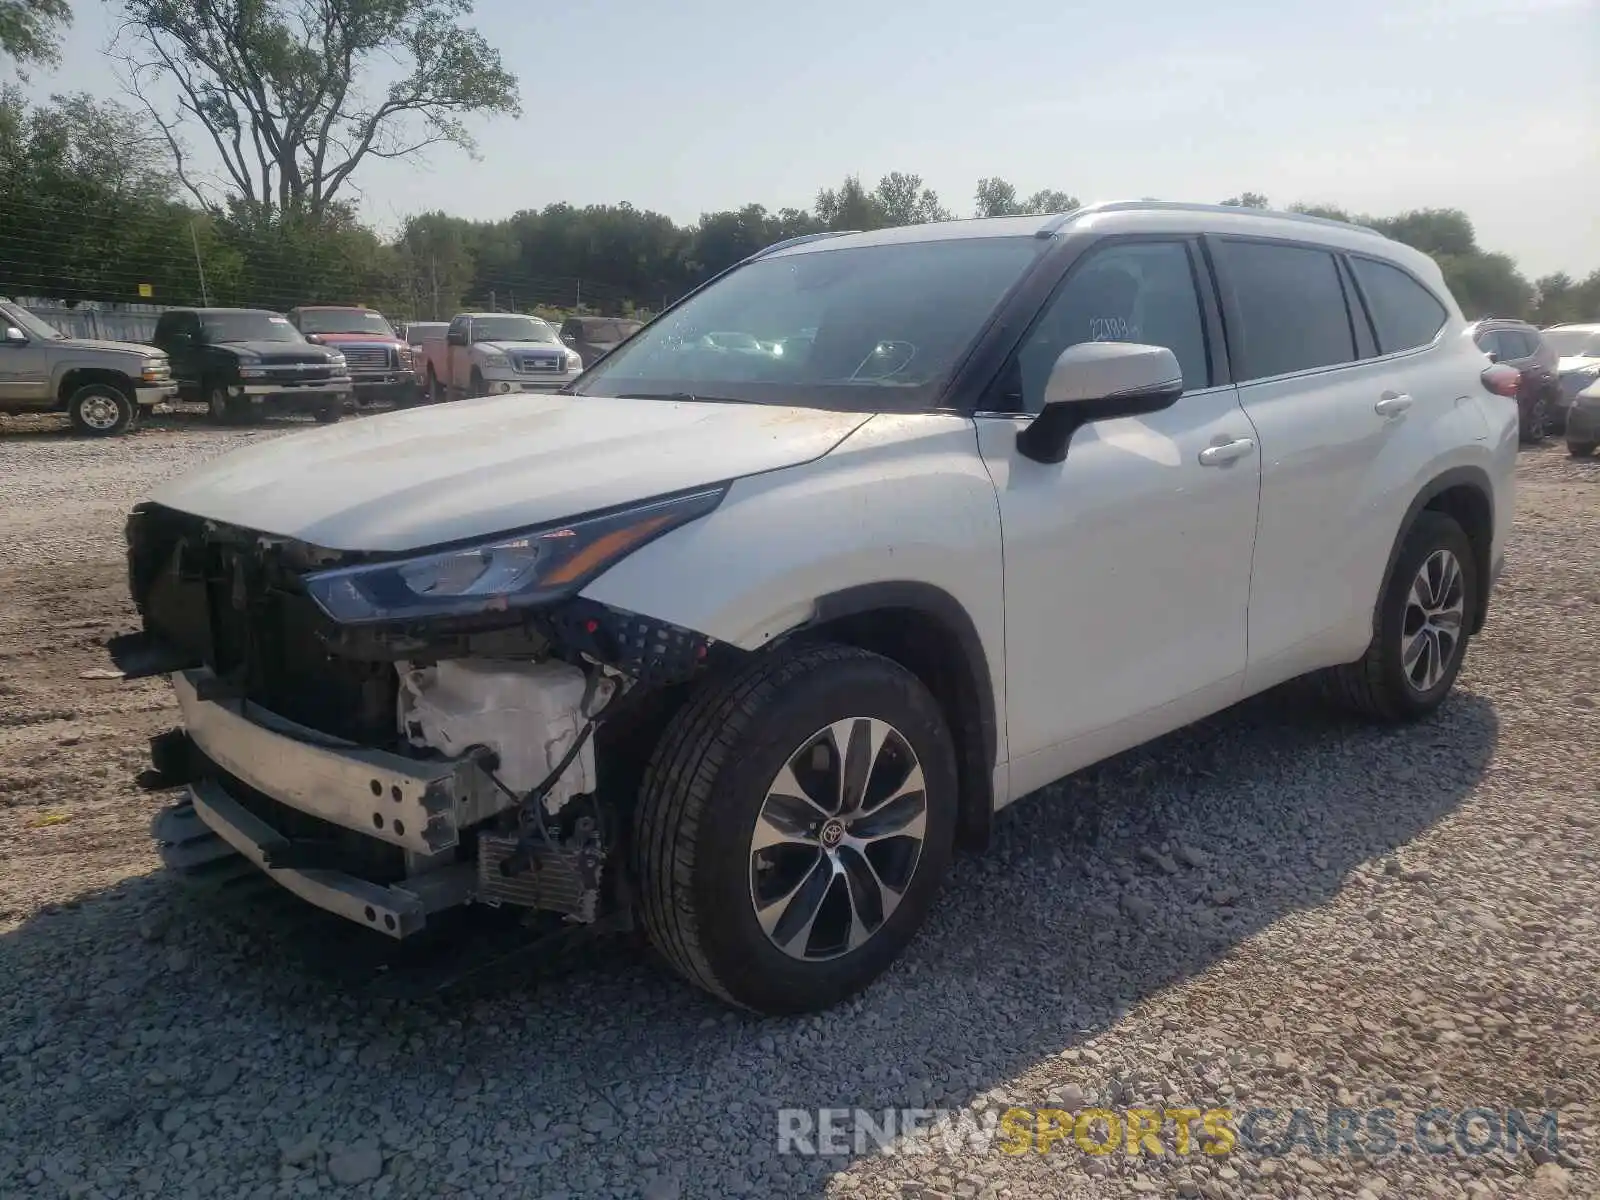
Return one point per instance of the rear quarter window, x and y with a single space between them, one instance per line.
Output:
1405 314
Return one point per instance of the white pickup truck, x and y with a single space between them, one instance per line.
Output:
483 354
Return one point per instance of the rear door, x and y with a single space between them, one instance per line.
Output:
1327 409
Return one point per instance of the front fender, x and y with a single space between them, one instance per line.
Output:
903 500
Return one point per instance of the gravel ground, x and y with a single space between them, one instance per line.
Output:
1279 908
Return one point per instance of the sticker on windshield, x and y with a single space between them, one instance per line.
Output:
1112 329
279 320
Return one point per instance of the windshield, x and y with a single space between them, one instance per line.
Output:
1573 343
415 334
343 320
855 327
30 324
511 329
248 327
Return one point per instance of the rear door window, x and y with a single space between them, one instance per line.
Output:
1291 308
1405 313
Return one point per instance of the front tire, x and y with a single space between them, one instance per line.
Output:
1421 629
1535 420
777 869
479 388
1580 449
224 409
100 410
330 413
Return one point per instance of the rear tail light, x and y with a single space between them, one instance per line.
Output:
1502 380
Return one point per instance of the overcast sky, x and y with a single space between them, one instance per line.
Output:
1492 106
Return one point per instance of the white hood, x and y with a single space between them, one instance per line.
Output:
504 347
1575 362
447 472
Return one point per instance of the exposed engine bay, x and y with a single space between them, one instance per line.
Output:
397 769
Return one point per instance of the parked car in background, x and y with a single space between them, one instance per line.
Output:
378 358
243 363
484 354
1583 422
1577 348
101 387
416 334
1520 345
595 337
743 646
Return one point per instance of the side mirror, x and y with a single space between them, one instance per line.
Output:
455 338
1494 356
15 336
1099 381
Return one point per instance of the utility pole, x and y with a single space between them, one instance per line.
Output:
433 270
577 305
194 240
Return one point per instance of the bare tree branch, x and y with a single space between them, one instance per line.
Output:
281 81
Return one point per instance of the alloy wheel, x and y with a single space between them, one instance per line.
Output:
1435 610
838 839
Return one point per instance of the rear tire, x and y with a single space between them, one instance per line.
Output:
100 410
709 891
1580 449
1414 656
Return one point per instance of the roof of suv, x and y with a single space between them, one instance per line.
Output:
1128 216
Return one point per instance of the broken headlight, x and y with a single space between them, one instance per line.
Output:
512 571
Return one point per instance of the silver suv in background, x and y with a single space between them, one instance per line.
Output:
1577 351
101 387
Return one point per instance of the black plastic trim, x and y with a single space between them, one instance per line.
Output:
979 744
1477 479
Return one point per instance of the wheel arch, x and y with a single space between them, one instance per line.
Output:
1466 495
930 633
74 378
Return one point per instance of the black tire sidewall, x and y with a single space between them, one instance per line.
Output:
749 966
126 410
1432 531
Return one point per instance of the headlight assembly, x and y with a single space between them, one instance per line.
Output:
495 362
513 571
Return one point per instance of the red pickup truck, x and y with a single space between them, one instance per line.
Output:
379 358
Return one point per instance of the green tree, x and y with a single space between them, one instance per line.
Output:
903 200
998 198
294 95
30 29
1247 200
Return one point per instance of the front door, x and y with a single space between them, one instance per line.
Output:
24 371
1127 567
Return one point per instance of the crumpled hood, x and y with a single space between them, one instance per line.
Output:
447 472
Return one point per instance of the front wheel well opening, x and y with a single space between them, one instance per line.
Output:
926 646
1471 510
80 376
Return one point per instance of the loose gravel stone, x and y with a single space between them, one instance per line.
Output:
155 1044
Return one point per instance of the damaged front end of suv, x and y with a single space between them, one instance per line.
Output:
390 736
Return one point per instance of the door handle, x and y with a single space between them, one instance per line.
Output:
1221 456
1392 405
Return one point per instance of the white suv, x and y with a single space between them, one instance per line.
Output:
745 644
